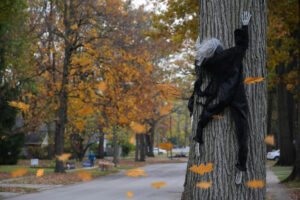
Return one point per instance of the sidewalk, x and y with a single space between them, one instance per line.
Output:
275 190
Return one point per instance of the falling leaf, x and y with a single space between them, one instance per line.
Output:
217 117
102 86
138 128
204 184
40 173
64 157
136 172
166 146
3 137
108 136
158 184
164 110
18 173
256 184
269 140
132 140
24 107
84 176
129 194
202 169
252 80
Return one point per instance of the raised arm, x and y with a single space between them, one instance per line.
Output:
241 35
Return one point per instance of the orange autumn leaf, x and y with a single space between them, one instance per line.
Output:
136 173
269 140
129 194
165 110
204 184
18 173
102 86
158 184
84 176
256 184
64 156
166 146
108 136
138 128
22 106
132 140
40 173
252 80
217 117
3 137
202 168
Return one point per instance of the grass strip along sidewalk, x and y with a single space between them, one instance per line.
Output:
282 172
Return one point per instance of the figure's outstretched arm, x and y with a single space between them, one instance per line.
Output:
241 35
246 18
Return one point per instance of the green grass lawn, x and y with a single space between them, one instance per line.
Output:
11 168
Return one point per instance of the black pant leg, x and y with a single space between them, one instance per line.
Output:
239 110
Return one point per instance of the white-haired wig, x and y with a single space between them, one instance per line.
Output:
206 49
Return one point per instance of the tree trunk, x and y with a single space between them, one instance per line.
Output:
285 137
178 129
219 19
150 140
186 134
137 146
269 116
142 148
295 175
101 145
116 146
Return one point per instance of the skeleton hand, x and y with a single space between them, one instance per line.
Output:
246 18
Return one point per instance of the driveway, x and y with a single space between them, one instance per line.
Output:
114 187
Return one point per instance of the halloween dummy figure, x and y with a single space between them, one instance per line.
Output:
226 70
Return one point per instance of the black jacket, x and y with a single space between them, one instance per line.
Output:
226 69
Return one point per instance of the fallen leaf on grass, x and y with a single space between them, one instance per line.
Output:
129 194
204 184
217 117
252 80
18 173
269 140
85 176
136 172
40 173
64 156
202 169
256 184
158 184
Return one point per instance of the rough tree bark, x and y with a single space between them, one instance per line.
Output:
219 19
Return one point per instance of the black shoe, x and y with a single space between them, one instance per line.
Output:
199 140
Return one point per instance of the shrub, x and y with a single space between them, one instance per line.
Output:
126 148
10 147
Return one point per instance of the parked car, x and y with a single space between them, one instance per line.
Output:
178 155
274 155
159 151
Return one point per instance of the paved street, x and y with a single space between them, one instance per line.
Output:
114 187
